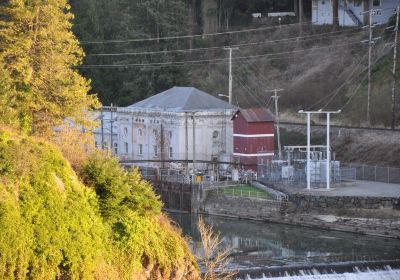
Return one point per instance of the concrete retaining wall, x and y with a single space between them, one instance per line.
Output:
241 207
320 204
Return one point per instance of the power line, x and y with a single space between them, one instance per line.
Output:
250 91
334 92
221 60
351 77
189 36
306 38
359 85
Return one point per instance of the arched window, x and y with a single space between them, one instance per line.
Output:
115 148
140 132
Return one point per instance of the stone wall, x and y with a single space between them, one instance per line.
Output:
321 204
308 211
241 207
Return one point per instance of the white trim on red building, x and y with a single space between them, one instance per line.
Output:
252 135
253 155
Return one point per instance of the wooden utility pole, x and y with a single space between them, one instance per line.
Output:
194 142
370 42
102 129
394 70
366 11
301 16
192 21
111 129
276 98
230 72
335 14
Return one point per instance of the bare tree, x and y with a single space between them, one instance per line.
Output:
215 259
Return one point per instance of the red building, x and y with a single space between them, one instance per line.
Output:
253 135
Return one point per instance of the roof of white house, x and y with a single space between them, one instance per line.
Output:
183 99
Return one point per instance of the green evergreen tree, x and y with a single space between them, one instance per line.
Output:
38 52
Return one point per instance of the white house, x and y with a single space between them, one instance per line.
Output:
354 12
179 124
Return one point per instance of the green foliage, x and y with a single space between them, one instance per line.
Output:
140 234
51 225
118 190
38 86
49 222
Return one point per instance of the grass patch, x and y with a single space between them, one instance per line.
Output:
244 190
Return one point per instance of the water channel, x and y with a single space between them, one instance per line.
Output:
260 248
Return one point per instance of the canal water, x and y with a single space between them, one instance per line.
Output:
260 248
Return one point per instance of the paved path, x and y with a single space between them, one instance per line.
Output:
358 188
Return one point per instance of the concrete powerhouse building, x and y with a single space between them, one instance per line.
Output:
182 123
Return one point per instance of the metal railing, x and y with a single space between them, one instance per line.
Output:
240 193
175 157
348 174
375 173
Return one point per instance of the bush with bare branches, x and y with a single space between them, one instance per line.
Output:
215 258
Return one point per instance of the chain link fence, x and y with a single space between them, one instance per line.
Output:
375 173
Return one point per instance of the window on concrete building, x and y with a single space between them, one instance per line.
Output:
125 131
170 152
140 132
105 146
96 144
215 134
170 134
115 148
140 149
376 3
357 3
155 150
126 147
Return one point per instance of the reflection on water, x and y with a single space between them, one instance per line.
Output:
260 244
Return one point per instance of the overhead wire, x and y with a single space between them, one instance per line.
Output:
358 87
220 60
335 92
249 90
190 36
383 46
303 38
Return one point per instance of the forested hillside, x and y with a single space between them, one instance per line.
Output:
130 55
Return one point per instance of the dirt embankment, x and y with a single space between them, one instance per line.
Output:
374 147
371 148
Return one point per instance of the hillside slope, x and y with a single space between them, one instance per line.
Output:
53 226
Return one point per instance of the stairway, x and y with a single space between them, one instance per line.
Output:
353 17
